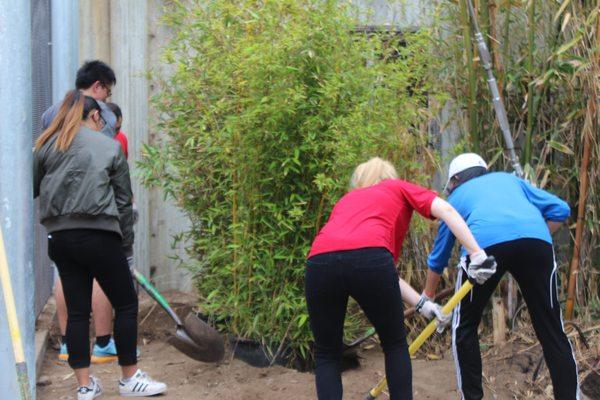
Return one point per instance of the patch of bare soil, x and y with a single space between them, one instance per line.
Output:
505 377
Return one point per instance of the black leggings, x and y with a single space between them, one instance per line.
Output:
531 263
370 277
80 256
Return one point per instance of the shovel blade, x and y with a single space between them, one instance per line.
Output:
198 340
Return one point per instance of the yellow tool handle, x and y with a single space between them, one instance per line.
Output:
424 335
13 325
9 301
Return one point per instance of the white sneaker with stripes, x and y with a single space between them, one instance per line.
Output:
140 385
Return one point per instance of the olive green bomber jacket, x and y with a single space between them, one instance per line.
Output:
85 187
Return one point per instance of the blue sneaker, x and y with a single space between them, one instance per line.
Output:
107 353
63 354
104 354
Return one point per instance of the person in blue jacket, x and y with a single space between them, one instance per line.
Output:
512 221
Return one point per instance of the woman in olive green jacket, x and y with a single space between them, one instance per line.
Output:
82 179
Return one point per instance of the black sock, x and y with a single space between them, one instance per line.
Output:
63 339
102 341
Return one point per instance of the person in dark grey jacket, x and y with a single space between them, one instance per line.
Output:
95 79
82 179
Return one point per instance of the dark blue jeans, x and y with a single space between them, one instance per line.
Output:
370 277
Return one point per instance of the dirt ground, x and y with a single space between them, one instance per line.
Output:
507 373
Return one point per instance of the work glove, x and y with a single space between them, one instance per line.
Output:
429 309
481 267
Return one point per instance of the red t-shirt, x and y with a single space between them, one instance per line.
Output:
122 138
375 216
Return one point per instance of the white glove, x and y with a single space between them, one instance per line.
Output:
429 309
481 267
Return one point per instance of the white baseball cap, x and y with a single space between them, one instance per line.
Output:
463 162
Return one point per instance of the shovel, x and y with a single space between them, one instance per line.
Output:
193 337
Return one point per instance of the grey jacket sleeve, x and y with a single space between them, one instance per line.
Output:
121 184
49 115
38 173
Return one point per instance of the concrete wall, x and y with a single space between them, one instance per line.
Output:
403 14
166 220
129 58
128 36
94 29
408 15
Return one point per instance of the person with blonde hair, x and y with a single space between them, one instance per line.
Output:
355 254
82 179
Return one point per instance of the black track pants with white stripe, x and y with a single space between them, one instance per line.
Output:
531 263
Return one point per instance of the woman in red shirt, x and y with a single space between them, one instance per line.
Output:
355 254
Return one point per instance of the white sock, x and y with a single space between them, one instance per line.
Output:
125 380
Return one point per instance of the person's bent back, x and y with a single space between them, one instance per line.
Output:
499 207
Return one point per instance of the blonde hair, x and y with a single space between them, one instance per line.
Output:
372 172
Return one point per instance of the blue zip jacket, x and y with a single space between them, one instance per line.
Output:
498 207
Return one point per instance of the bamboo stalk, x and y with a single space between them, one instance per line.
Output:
494 45
530 87
485 18
498 321
234 223
591 126
505 52
472 77
583 186
319 214
505 41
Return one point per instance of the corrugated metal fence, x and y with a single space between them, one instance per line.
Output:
41 99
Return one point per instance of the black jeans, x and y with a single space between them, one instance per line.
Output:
370 277
531 263
80 256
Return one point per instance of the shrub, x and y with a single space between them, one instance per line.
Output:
269 107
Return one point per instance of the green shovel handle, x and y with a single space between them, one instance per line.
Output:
155 294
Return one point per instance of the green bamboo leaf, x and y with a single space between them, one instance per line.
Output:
568 45
302 320
561 9
560 147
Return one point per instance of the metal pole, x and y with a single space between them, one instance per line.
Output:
486 60
16 203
